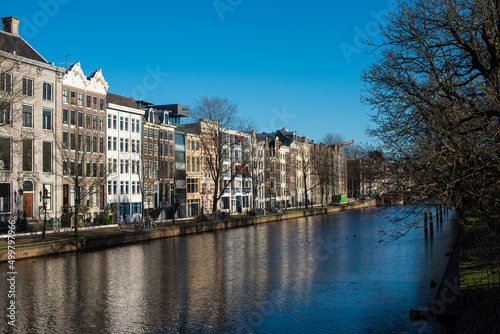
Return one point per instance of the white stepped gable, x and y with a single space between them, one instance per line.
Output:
75 77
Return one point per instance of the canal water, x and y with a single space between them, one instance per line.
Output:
322 274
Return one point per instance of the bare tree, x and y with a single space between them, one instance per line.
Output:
436 90
81 155
214 117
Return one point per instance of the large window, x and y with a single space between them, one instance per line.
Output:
65 140
72 120
5 154
27 116
27 155
193 206
80 119
65 116
48 187
27 87
80 100
5 194
47 119
65 95
192 186
5 82
47 91
4 112
89 101
47 157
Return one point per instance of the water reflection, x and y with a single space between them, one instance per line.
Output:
319 274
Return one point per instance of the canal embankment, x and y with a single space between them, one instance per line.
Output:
64 242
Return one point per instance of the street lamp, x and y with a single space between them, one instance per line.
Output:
45 197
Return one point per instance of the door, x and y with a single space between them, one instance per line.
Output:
28 205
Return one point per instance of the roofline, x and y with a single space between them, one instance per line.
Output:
35 62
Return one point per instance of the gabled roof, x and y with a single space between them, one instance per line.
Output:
121 100
16 45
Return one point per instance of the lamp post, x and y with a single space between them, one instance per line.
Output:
45 197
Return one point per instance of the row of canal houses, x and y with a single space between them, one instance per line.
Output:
64 137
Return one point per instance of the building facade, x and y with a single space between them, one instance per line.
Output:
29 103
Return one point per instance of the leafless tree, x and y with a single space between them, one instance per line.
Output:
215 116
436 90
80 152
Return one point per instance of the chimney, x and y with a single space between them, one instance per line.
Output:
11 25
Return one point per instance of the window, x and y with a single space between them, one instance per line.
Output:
192 186
197 164
65 140
121 123
94 122
151 149
73 141
122 190
95 102
89 122
114 122
126 166
145 149
65 96
47 157
156 135
81 143
101 104
89 101
114 143
5 195
65 116
109 143
126 124
133 187
5 82
73 98
170 136
101 144
27 116
4 112
27 155
27 87
188 164
47 119
137 127
72 119
188 145
109 121
126 187
47 91
80 100
80 119
121 144
94 144
101 123
4 154
160 149
126 145
114 187
65 166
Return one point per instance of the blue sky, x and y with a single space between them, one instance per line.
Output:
295 64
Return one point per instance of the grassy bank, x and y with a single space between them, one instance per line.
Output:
479 255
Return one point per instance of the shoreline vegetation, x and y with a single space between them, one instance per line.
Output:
31 246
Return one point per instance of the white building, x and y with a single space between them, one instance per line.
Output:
124 142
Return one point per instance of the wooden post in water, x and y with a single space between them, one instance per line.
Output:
437 215
426 221
431 224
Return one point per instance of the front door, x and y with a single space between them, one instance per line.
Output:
28 205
